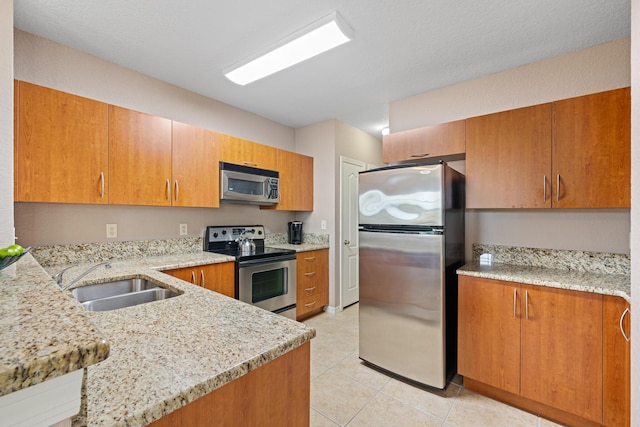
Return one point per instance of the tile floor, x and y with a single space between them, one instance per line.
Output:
344 392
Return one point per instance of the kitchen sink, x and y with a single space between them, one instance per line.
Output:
120 294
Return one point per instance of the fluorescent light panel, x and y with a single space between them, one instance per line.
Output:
318 37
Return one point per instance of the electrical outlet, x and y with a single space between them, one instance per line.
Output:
183 230
323 224
112 231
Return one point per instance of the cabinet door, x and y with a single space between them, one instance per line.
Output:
248 153
562 350
617 362
592 151
62 147
509 159
188 274
446 139
296 182
139 158
218 277
194 167
489 332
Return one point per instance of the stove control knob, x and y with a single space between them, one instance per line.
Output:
224 232
215 234
259 232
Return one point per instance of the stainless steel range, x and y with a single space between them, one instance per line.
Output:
265 276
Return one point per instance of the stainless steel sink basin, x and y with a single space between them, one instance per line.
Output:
120 294
110 289
128 300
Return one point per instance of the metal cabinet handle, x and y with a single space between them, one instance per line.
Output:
176 190
515 296
250 163
544 189
310 258
168 190
624 313
419 155
202 278
310 274
310 304
558 188
102 185
193 277
309 289
526 304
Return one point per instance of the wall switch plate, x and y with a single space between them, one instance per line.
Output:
112 231
323 225
183 230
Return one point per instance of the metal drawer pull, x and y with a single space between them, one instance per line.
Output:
310 274
102 185
176 190
310 304
544 189
558 188
419 155
515 293
168 190
250 163
526 303
309 289
310 258
624 313
202 278
193 277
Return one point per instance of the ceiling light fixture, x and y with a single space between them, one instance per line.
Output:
314 39
385 131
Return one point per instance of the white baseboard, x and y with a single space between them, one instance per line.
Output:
333 310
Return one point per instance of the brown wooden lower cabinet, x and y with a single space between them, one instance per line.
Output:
275 394
617 362
312 282
218 277
543 350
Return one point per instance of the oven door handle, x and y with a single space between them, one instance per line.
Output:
273 259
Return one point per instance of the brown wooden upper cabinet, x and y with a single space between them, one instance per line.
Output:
592 151
446 139
296 182
194 167
61 147
244 152
139 158
573 153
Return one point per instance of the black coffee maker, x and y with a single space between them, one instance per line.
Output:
295 232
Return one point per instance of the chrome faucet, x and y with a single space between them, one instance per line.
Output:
58 276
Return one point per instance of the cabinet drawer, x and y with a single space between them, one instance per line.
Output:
309 303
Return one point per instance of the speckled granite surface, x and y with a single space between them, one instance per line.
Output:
310 242
163 354
44 333
601 273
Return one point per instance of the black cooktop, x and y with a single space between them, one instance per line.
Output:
225 240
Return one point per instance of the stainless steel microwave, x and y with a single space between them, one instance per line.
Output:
246 184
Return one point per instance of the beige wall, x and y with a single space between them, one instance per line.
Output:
6 122
50 64
595 69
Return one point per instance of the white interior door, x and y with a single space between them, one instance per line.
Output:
349 290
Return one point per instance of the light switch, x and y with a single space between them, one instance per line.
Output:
112 231
183 230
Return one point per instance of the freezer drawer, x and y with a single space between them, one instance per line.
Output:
402 300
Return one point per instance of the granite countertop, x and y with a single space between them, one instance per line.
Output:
167 353
602 283
300 248
42 336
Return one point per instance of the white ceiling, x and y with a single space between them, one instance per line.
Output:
401 47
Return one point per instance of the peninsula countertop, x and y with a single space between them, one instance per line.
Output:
601 283
165 354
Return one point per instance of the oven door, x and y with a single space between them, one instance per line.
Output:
270 285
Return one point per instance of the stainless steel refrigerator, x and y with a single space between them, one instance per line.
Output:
411 238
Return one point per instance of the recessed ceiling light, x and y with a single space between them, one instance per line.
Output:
385 131
314 39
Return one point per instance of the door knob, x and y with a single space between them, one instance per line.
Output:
346 242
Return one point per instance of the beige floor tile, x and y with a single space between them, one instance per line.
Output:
547 423
353 367
319 420
473 410
339 397
385 411
318 368
437 403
